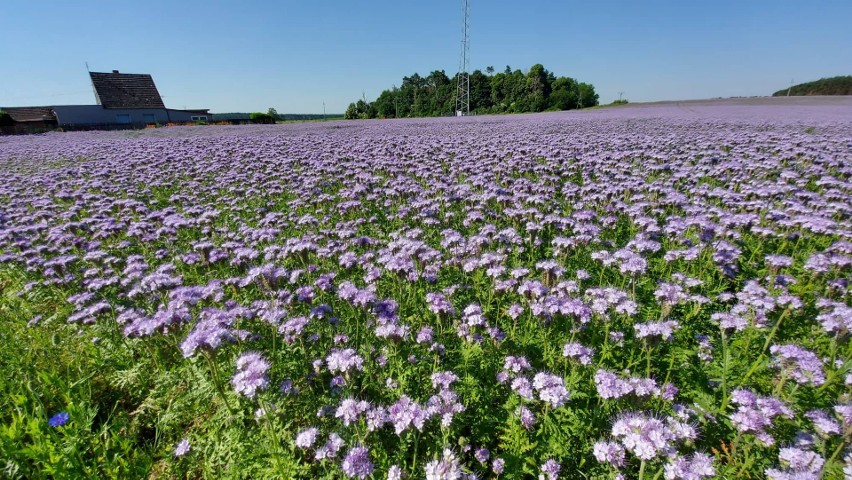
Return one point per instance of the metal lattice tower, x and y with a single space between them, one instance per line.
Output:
463 80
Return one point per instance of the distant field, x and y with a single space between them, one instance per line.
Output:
840 102
653 291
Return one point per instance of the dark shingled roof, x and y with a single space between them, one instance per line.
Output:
30 114
126 90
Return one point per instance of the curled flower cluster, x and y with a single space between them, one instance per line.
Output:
610 386
644 436
799 364
577 351
344 361
755 414
251 374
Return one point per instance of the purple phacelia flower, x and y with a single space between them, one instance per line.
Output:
800 463
516 364
823 424
551 389
729 321
663 330
755 414
444 405
643 436
331 447
798 363
350 409
251 374
357 463
394 473
550 470
609 452
406 413
182 448
445 468
577 351
523 387
425 335
443 380
438 304
307 437
695 467
481 455
526 416
344 361
497 465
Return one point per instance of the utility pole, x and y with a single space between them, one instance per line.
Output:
791 87
619 95
323 109
463 79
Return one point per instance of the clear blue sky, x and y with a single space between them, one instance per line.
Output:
293 55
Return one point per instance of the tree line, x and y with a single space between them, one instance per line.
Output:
509 91
825 86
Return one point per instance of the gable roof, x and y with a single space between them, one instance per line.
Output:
30 114
126 90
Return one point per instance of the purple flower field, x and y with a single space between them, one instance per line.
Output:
640 292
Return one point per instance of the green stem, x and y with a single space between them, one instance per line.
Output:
759 359
416 445
836 451
647 360
273 435
671 364
780 387
725 366
217 383
642 470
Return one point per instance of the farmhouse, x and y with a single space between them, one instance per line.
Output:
123 100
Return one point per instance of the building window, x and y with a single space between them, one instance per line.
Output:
199 118
149 118
122 118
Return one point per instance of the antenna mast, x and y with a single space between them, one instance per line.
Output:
463 80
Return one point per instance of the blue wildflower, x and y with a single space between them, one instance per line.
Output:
59 419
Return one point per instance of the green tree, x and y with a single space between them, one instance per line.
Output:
509 91
564 94
359 109
498 93
386 104
538 82
6 119
437 88
413 88
825 86
587 95
260 117
351 112
480 92
517 92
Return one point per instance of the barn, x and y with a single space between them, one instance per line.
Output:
28 119
123 100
